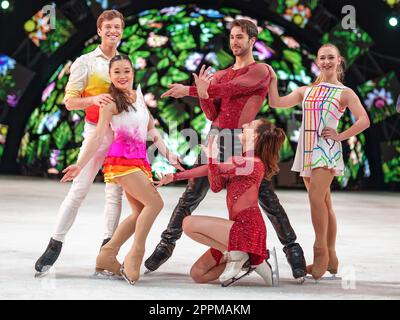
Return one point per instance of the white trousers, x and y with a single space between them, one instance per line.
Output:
81 186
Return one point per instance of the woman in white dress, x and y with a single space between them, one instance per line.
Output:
319 155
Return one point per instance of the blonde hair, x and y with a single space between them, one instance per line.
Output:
108 15
340 68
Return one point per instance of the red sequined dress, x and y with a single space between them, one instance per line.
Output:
242 179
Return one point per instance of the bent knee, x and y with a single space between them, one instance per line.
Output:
154 201
187 225
197 275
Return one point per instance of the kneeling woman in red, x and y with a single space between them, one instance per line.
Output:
243 236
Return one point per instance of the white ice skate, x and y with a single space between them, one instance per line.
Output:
275 267
270 274
236 260
264 270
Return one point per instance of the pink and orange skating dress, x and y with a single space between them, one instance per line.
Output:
128 151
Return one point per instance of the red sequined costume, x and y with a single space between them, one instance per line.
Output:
242 179
235 95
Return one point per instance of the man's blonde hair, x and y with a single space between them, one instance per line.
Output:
108 15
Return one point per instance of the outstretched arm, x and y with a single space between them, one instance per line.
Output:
256 78
209 106
350 99
160 144
200 171
210 170
93 144
275 101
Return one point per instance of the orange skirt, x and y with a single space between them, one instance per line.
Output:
117 167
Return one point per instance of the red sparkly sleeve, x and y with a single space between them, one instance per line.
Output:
219 174
217 181
256 78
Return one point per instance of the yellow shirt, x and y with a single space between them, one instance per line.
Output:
89 76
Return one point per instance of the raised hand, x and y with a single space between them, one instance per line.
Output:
203 81
176 91
71 172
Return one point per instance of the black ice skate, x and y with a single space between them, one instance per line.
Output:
48 258
105 241
295 257
161 254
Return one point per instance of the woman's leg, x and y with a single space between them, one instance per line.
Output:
331 240
106 260
138 186
319 184
210 231
205 269
331 234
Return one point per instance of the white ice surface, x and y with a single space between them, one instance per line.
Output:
368 247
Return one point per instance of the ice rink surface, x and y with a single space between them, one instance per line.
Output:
368 247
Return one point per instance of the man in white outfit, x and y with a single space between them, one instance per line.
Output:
87 89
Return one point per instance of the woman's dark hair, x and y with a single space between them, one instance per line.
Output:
122 100
267 145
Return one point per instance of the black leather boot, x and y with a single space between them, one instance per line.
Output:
105 241
269 202
295 257
49 257
191 198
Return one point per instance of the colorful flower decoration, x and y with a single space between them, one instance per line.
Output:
299 15
379 98
6 64
156 41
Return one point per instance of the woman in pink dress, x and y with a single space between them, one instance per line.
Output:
126 164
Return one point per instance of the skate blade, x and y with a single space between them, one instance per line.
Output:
300 280
275 269
41 274
229 282
106 275
45 271
329 278
125 277
147 271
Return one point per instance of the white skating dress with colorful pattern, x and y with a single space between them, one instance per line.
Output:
321 108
